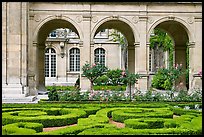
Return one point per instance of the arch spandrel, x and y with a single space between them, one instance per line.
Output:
127 22
71 23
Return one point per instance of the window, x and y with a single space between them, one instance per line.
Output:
74 64
50 62
99 56
53 34
156 58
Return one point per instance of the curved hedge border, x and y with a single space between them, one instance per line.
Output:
54 117
92 119
184 129
22 128
123 114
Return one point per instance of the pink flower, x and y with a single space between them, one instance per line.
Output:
123 73
200 72
94 64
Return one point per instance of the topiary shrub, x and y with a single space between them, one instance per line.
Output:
22 128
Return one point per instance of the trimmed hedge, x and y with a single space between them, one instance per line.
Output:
54 117
144 123
73 130
92 119
123 114
22 128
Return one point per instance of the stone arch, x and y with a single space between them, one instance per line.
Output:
55 47
182 22
40 35
127 28
118 18
75 28
173 25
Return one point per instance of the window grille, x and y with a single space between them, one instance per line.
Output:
74 54
50 62
99 56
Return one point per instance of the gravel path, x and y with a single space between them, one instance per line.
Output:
118 124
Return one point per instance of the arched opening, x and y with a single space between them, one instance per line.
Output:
125 32
179 38
55 38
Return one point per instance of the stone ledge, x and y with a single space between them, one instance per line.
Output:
19 99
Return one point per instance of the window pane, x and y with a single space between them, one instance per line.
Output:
99 56
74 59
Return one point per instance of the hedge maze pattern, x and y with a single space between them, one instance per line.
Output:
93 119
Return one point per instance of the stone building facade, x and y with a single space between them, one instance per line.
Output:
26 25
62 55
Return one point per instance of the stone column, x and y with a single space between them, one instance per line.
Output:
32 69
41 67
141 53
131 58
92 51
149 78
195 56
85 50
14 46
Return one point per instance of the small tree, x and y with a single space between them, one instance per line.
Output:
130 79
94 71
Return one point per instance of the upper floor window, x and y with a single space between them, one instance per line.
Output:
99 56
53 34
74 63
50 62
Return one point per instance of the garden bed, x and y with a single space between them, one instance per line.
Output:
100 118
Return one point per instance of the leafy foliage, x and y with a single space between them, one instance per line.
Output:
164 77
92 72
53 95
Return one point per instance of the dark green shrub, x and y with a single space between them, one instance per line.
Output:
115 77
70 96
53 95
165 77
170 123
60 88
111 88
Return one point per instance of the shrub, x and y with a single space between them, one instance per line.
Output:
115 77
142 123
22 128
54 117
102 80
92 72
165 77
53 95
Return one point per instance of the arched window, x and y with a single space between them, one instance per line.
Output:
74 64
99 56
50 62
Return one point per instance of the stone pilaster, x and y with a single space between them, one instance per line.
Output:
85 50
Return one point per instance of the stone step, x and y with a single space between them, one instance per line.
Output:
18 99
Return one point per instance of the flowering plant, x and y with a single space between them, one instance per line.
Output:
165 77
200 73
92 72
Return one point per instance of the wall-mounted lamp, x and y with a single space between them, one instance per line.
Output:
62 46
